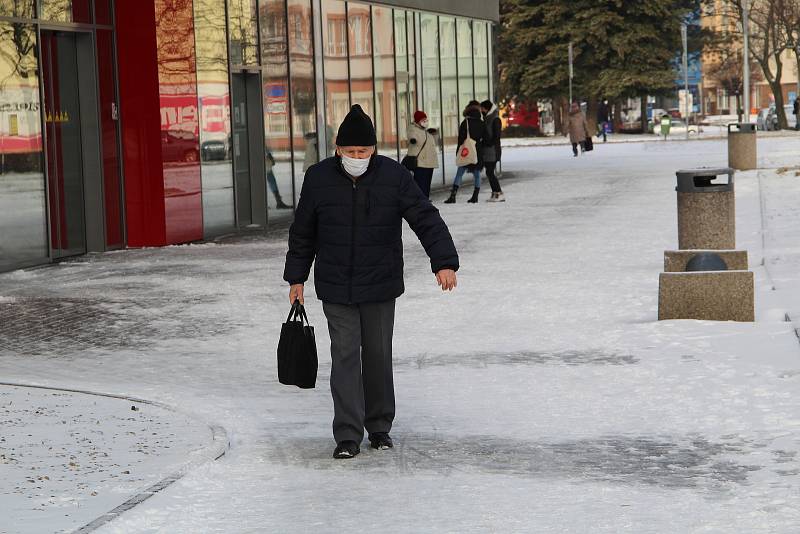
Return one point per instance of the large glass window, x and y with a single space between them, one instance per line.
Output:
480 46
180 125
23 234
466 82
304 104
214 106
360 47
66 10
404 104
431 81
278 148
451 114
383 59
243 30
337 86
412 22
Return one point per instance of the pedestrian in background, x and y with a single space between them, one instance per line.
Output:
577 128
422 145
796 113
491 147
474 126
349 224
603 118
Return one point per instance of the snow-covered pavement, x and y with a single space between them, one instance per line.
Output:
541 396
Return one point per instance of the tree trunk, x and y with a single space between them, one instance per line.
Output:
643 107
777 92
617 116
739 108
591 114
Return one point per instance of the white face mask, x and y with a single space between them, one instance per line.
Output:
424 123
355 166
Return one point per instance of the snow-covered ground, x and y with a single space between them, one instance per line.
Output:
707 132
66 455
541 396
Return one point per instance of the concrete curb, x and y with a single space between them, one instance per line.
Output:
220 444
764 263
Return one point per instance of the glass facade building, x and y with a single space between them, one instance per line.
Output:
130 123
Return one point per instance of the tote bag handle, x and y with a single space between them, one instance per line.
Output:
298 311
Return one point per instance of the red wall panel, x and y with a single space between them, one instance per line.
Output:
140 121
160 124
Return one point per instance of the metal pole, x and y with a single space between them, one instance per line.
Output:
570 73
746 54
684 37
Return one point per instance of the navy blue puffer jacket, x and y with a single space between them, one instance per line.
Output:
352 230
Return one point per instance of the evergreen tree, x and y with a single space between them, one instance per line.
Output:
621 48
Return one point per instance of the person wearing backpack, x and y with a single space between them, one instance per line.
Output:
422 157
473 127
491 148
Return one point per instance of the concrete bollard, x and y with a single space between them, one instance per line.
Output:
706 210
742 147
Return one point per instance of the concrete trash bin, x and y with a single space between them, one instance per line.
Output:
706 210
742 153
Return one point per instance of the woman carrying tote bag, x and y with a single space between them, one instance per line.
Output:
468 156
421 157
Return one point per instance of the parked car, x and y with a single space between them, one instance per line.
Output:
521 119
678 127
762 119
772 117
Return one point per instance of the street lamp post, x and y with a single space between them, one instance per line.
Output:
684 38
570 73
746 54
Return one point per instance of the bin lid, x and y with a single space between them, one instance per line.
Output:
742 127
703 180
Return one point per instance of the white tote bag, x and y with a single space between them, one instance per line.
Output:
467 152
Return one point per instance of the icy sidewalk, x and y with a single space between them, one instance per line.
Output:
67 458
541 396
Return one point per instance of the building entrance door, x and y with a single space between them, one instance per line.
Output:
64 149
72 143
248 149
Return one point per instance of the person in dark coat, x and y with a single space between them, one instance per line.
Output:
472 123
603 118
349 224
492 150
796 110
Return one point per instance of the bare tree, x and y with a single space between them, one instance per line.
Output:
768 40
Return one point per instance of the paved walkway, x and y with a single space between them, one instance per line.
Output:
541 396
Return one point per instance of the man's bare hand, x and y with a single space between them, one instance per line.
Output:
296 293
446 278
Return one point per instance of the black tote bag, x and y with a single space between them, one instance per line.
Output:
297 350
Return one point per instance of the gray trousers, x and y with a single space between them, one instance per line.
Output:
361 368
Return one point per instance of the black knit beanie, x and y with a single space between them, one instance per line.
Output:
487 104
356 129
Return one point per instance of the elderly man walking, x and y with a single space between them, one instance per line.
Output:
349 224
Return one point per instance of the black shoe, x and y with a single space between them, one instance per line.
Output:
452 198
280 204
380 441
474 198
346 450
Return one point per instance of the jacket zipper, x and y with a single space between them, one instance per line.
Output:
352 245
